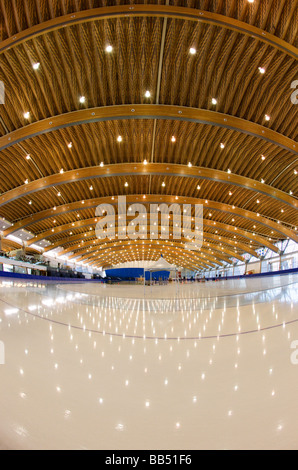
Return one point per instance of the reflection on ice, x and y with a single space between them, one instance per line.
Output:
163 318
190 372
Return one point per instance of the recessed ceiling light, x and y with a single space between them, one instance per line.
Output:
267 117
173 139
222 146
214 101
119 138
147 94
109 49
70 145
192 51
82 99
27 115
36 66
28 157
262 70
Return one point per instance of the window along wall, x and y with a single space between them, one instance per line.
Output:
271 262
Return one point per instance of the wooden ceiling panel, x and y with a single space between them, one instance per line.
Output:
196 143
277 17
74 64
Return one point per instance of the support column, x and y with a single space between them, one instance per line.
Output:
280 260
24 246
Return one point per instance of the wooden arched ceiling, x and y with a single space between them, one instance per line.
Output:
219 212
91 223
79 249
160 169
248 185
207 257
159 10
147 111
84 242
209 261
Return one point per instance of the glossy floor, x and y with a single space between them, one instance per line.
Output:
94 367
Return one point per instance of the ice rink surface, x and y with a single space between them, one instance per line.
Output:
89 366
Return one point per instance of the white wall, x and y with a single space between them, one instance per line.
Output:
256 267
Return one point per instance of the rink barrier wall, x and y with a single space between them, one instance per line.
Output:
245 276
31 277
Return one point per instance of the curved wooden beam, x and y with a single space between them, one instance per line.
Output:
252 236
160 11
203 259
81 246
262 241
154 199
225 252
136 169
123 248
207 236
161 246
192 266
195 254
185 265
198 265
147 111
189 259
228 241
205 251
